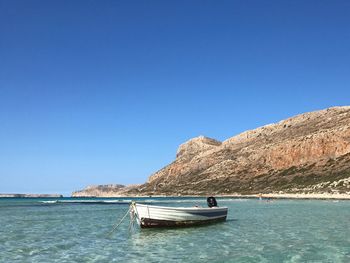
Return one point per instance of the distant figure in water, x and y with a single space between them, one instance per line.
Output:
260 196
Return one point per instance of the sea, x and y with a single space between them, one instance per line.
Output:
80 230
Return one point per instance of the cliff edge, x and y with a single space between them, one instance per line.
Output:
306 153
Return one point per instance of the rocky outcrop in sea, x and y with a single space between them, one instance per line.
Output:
107 190
31 195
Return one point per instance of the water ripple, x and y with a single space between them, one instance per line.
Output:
279 231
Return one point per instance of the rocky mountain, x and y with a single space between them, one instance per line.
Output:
107 190
306 153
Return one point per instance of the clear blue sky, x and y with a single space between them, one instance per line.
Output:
96 92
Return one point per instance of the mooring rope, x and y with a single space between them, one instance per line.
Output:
116 225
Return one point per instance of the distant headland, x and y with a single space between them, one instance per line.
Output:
31 196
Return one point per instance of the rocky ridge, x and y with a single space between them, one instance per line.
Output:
306 153
107 190
294 155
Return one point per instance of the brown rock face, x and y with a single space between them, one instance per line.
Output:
308 152
196 146
106 190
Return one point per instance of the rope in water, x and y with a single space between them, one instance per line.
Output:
121 221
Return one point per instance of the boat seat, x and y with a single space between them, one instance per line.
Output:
211 201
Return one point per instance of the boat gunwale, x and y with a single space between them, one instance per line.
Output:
204 209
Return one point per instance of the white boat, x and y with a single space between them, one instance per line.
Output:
148 216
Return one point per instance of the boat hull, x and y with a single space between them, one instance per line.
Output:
156 223
149 216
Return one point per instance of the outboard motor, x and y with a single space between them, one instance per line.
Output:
211 201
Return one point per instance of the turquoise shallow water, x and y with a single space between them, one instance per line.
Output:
256 231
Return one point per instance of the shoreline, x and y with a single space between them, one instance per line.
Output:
311 196
31 196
